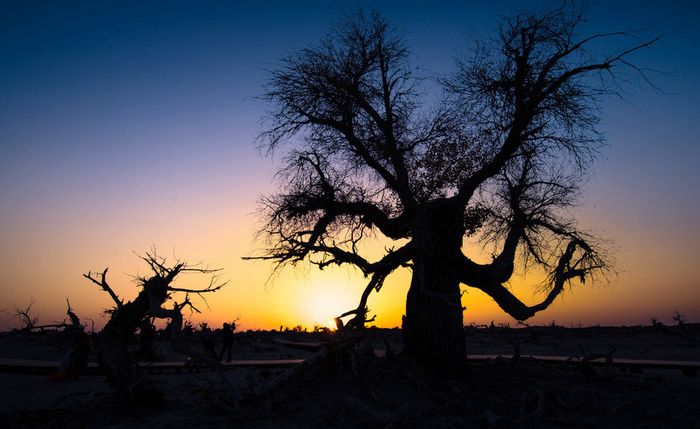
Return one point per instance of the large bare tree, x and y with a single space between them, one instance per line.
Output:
499 158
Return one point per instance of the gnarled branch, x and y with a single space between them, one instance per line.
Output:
102 283
568 268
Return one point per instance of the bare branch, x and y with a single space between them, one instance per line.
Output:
545 81
568 268
101 281
210 288
25 316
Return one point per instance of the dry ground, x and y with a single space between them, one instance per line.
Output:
366 392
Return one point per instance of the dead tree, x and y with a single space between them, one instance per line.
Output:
126 317
29 320
500 159
26 316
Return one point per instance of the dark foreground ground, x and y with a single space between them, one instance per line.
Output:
353 389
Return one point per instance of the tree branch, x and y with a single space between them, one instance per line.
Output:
380 271
102 283
566 269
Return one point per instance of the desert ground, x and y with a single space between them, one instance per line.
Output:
353 388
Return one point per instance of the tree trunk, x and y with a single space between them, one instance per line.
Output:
432 326
123 374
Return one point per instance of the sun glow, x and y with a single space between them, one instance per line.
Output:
328 299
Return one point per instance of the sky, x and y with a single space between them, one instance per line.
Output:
126 126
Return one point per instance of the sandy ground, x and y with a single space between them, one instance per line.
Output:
364 392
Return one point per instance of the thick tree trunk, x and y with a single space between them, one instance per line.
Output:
432 327
123 374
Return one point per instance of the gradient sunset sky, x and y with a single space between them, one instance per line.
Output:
128 125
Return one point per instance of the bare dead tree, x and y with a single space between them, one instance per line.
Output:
126 317
499 159
29 320
26 316
678 318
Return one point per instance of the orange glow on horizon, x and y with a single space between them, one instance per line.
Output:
307 296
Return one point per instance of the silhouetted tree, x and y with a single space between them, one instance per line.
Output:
498 158
29 320
125 318
26 316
